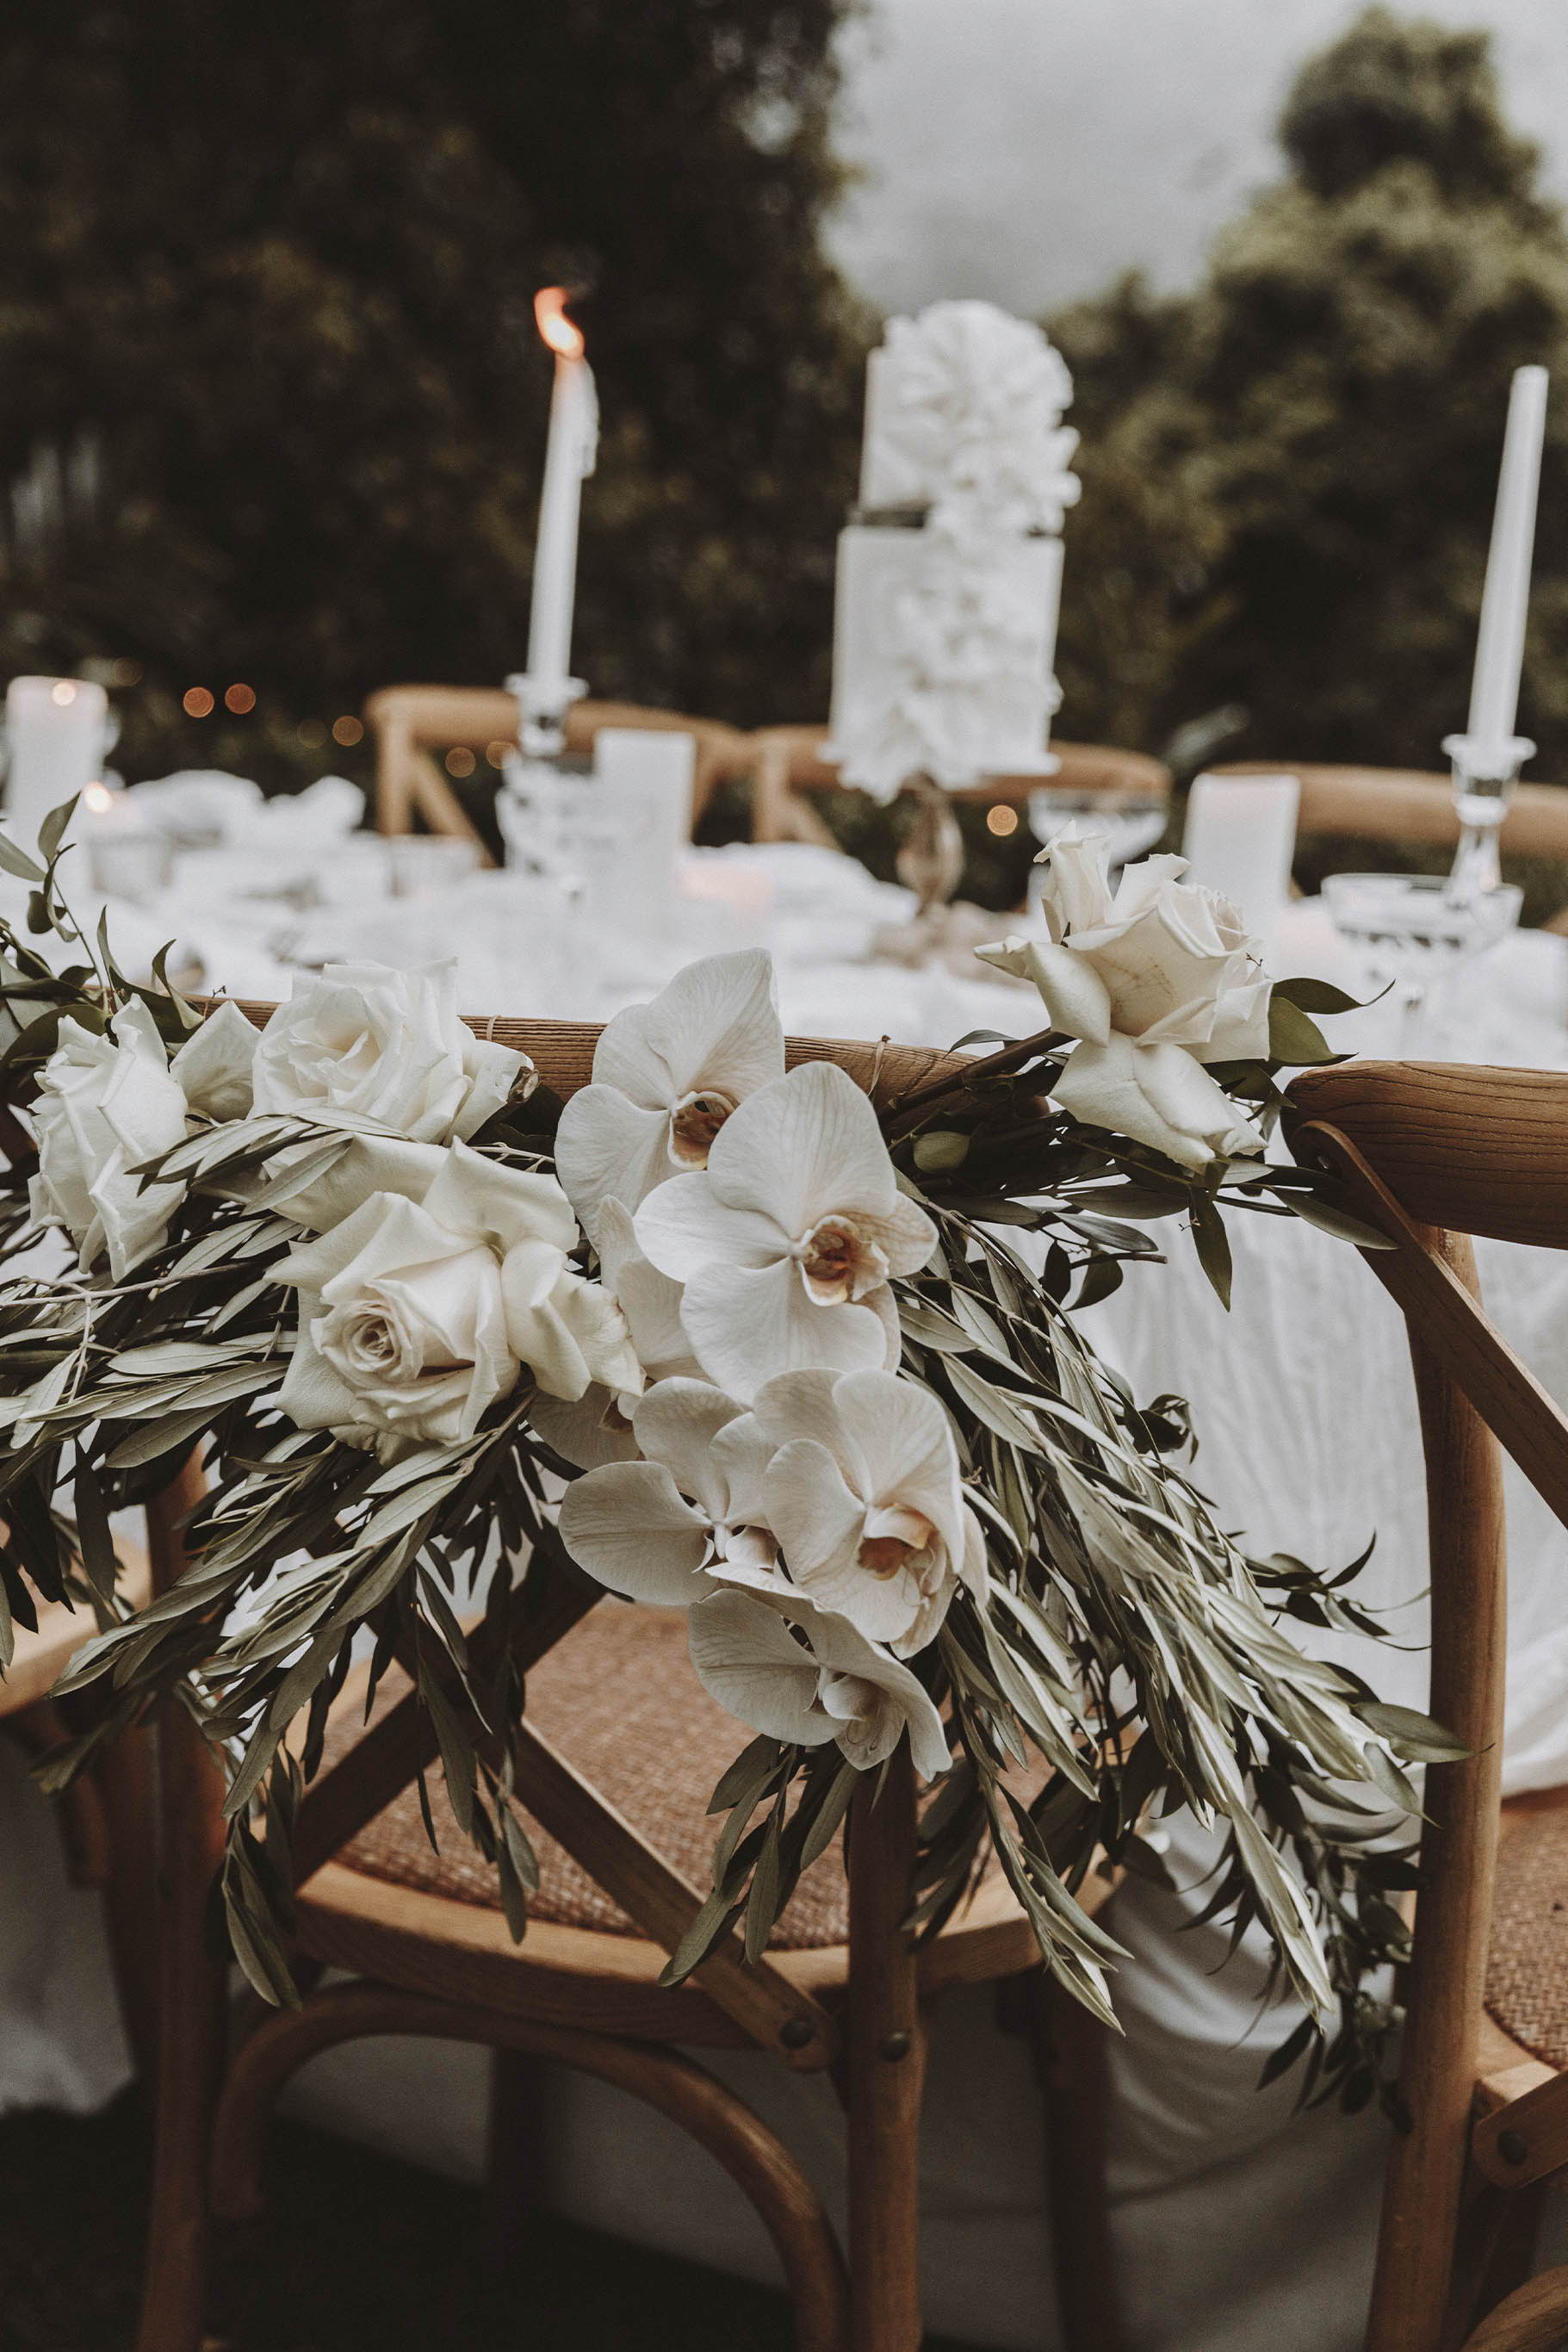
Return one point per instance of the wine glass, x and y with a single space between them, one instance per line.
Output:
1129 818
1410 931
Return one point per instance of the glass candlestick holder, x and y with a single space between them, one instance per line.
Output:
1485 775
542 705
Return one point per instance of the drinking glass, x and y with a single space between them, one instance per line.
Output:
1412 931
1130 819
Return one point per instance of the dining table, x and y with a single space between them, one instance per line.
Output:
1239 2217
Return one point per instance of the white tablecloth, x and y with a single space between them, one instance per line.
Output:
1239 2222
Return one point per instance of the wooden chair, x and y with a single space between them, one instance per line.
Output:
620 1752
1434 1155
410 722
1400 805
788 764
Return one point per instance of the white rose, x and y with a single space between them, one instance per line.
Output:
215 1065
1155 981
105 1105
415 1316
362 1044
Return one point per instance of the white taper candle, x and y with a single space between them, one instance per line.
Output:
568 459
1505 604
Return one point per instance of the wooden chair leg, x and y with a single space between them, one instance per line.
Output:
754 2157
125 1784
885 2067
514 2172
1072 2051
1495 2253
192 1992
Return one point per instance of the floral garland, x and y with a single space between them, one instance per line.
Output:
719 1336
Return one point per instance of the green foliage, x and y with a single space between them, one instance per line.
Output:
269 379
1321 422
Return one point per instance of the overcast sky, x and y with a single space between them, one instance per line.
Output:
1027 150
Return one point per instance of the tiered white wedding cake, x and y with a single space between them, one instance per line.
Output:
949 575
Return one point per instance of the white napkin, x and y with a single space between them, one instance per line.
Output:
325 813
199 807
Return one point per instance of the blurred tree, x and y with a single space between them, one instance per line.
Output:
1326 412
271 392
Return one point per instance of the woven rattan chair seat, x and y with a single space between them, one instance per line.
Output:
1527 1970
618 1698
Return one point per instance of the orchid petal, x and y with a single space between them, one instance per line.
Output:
843 1651
683 1229
748 1324
805 1147
607 1147
675 1423
747 1658
627 1526
588 1431
714 1026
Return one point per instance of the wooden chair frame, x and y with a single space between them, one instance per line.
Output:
410 722
1432 1156
788 764
430 1966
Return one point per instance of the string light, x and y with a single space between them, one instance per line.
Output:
460 761
197 701
239 699
346 730
1001 819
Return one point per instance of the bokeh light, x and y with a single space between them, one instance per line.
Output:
1001 819
197 702
346 730
460 761
239 699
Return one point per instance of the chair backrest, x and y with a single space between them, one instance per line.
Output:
1433 1155
1402 804
409 723
787 762
348 1794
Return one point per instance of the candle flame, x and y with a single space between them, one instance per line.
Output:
99 797
550 314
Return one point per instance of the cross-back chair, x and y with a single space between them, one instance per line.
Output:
1402 804
1435 1155
619 1752
788 765
410 724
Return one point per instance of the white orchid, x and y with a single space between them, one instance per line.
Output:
863 1495
107 1103
416 1317
597 1428
821 1681
1155 983
366 1045
666 1075
668 1528
786 1241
